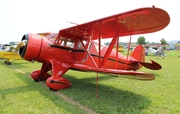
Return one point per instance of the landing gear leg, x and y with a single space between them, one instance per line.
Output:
37 76
41 75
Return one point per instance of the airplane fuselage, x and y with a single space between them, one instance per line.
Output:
43 50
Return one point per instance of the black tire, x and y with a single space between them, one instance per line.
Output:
8 63
36 80
53 89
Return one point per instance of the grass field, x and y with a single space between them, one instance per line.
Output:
19 94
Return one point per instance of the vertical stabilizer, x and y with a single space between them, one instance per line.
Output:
139 53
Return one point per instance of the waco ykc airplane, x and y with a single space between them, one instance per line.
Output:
75 48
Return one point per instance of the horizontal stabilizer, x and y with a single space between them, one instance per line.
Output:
153 65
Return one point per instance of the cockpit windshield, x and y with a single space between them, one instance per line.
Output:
52 36
66 41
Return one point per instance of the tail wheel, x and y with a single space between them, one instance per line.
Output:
56 83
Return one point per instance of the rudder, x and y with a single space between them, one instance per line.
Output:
139 53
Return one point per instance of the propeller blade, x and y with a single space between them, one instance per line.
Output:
22 43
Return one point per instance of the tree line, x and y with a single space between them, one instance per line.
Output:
141 41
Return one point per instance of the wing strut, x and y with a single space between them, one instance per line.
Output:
99 45
89 54
109 49
99 60
117 46
128 52
56 41
128 46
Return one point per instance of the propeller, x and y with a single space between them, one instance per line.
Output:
22 45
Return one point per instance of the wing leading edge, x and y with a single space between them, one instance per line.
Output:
139 21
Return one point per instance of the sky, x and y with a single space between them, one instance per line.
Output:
18 17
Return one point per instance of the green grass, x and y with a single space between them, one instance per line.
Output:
116 95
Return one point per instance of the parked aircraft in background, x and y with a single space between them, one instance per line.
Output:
3 46
10 53
177 46
120 48
152 49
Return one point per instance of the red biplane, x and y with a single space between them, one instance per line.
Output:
75 48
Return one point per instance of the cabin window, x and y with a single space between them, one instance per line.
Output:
67 42
97 47
86 44
80 45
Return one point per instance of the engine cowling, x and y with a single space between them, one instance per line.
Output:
34 44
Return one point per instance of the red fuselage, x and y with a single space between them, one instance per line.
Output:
43 50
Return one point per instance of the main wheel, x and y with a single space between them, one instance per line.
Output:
52 89
8 63
56 83
5 62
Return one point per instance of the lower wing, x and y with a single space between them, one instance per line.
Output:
122 73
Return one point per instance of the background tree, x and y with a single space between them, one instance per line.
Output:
163 41
141 40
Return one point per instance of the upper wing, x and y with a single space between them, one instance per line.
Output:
139 21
